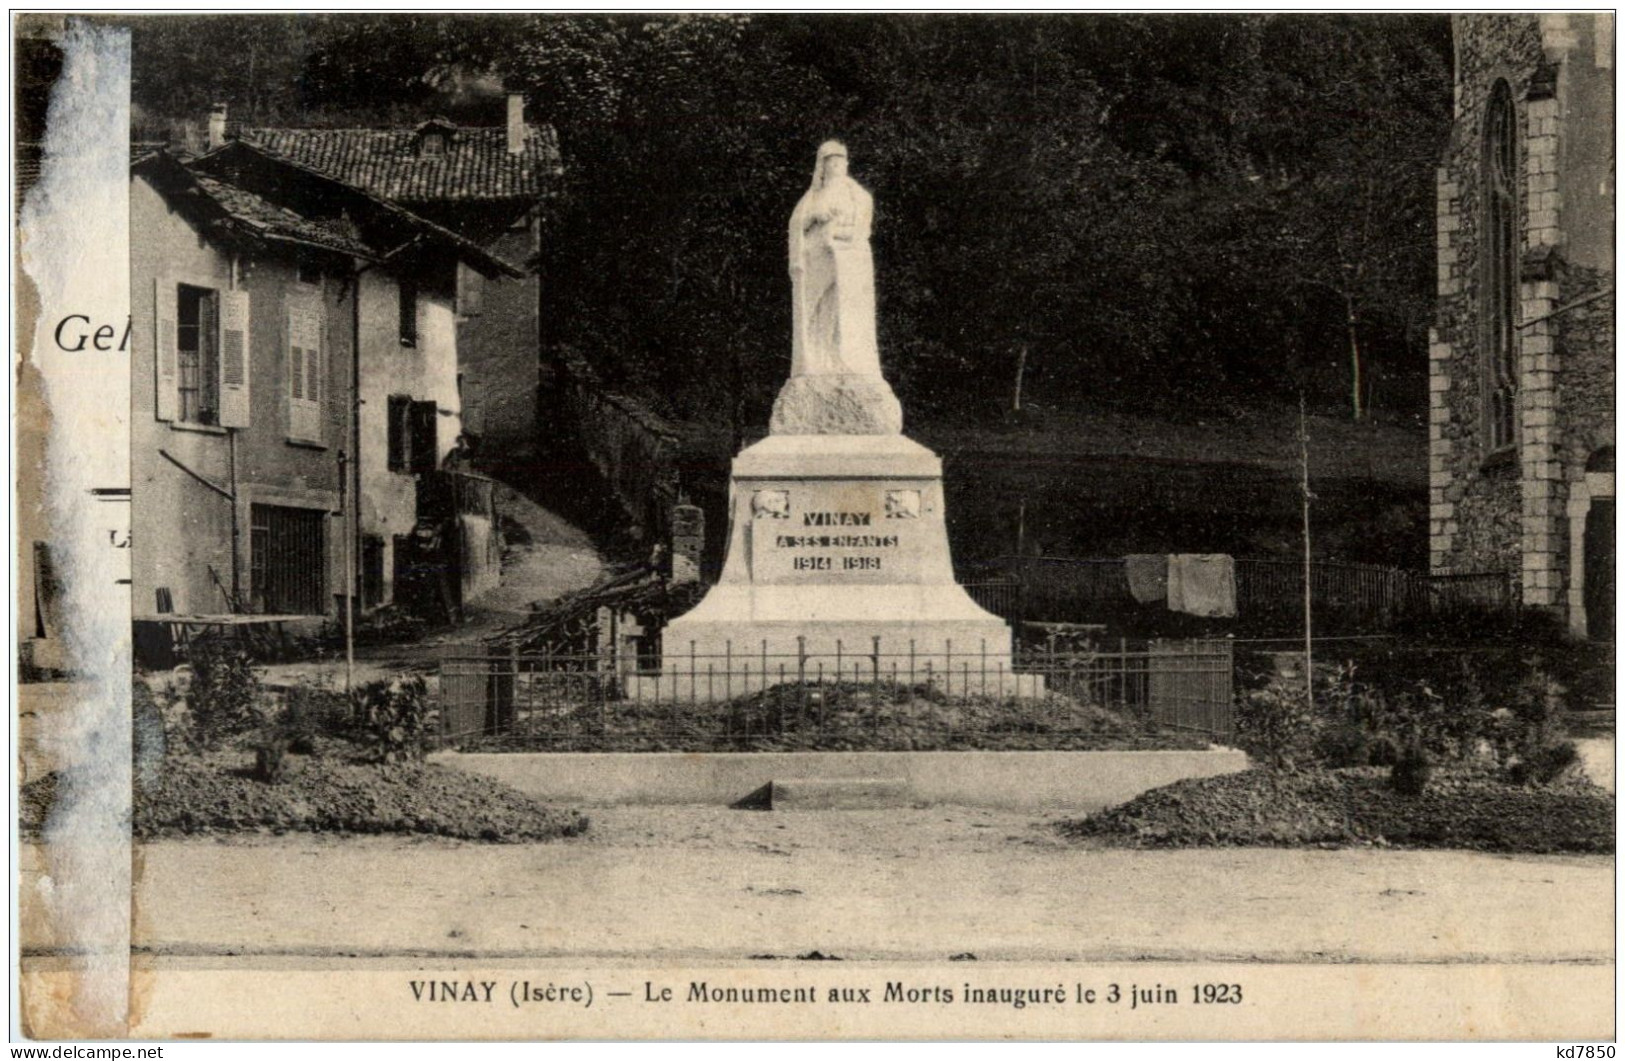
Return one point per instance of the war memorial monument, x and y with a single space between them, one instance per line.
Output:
837 560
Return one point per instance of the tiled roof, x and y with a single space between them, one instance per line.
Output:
272 221
474 165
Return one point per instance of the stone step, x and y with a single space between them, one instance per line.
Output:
831 793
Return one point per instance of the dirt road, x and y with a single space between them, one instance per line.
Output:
924 884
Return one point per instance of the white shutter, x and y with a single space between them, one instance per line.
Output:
167 371
470 289
304 357
234 359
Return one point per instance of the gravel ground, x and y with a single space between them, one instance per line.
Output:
919 884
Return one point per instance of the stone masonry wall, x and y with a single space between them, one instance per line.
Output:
1474 507
1507 511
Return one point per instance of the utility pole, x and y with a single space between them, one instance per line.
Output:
349 575
1308 594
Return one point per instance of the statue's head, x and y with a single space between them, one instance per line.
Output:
831 162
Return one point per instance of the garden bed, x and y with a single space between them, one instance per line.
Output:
217 792
863 717
1463 807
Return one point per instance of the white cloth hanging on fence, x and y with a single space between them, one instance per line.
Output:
1147 575
1202 584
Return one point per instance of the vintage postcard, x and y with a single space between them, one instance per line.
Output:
795 526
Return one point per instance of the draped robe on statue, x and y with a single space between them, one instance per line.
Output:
832 277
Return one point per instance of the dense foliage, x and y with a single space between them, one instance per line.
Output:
1502 711
1118 208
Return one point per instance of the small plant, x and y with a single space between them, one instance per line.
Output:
1545 764
1537 703
395 714
313 709
1276 724
224 692
1343 744
270 758
1382 751
1412 771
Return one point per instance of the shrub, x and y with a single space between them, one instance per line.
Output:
1537 704
395 715
225 690
1343 744
1410 774
1545 764
1276 723
1346 714
312 711
1382 751
270 757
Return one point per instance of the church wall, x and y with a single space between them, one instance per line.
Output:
1509 512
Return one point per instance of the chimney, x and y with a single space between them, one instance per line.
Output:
516 123
217 127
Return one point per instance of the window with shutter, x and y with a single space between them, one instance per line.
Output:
409 313
399 432
304 360
470 290
234 353
425 435
166 369
197 355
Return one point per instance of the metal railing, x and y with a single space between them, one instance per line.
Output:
1347 597
1158 694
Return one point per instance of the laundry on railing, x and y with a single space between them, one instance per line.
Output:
1147 575
1202 584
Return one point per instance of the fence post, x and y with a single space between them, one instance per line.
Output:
499 691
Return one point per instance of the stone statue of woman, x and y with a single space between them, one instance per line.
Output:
832 274
835 385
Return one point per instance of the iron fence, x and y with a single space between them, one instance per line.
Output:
1346 597
1141 695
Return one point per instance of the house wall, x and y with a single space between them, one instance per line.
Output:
1516 515
498 348
425 372
181 527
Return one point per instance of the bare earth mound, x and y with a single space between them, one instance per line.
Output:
1461 809
879 716
218 794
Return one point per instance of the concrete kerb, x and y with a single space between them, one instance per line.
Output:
1030 780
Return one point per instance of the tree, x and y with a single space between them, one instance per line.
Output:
1130 207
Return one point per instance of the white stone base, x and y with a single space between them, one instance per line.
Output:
837 568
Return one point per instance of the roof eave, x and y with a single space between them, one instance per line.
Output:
486 263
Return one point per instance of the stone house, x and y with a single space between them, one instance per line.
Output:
265 300
487 184
1521 359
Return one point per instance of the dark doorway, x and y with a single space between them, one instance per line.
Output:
1599 569
287 560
